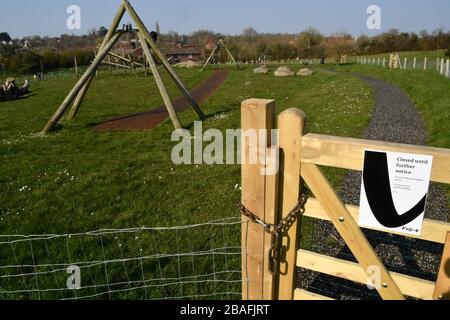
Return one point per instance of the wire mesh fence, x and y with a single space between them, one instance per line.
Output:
70 73
187 262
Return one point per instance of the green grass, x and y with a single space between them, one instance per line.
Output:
127 171
76 180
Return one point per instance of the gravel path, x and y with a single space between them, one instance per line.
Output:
394 119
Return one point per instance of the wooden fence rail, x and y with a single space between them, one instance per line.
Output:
272 197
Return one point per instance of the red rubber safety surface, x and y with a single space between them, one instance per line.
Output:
150 119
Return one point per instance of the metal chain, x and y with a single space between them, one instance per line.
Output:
278 230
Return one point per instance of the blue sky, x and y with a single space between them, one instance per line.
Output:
48 17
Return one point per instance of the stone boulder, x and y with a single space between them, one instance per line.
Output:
306 72
284 72
261 70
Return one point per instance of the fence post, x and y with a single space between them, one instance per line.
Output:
425 64
447 73
415 63
442 66
75 66
442 290
259 194
291 125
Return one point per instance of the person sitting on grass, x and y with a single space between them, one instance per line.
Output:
10 91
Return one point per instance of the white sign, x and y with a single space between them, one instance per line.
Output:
394 191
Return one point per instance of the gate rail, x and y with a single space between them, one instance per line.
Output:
271 198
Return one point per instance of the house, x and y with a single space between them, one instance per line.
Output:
182 52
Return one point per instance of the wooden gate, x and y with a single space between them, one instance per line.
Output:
272 197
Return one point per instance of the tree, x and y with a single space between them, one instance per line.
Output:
413 42
336 47
250 33
363 44
309 43
173 36
102 32
4 36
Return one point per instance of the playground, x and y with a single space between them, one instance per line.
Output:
87 181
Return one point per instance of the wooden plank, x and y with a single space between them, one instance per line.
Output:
75 66
82 93
137 64
348 153
116 65
291 126
433 231
229 53
89 73
349 229
160 83
208 62
442 290
255 115
303 295
142 28
447 69
409 286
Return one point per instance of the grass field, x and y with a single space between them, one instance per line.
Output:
76 180
124 178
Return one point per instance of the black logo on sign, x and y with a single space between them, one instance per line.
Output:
379 193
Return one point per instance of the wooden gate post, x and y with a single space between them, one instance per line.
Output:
259 196
291 125
442 290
